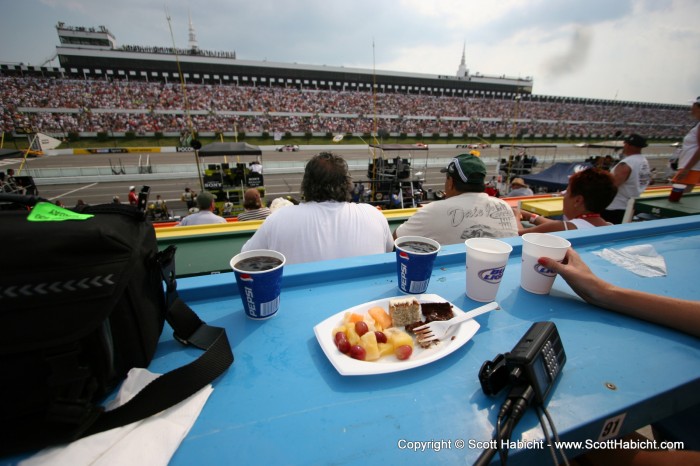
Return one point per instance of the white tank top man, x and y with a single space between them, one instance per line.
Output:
632 176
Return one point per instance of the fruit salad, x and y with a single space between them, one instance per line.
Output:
371 337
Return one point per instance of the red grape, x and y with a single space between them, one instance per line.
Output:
381 338
361 328
403 352
344 346
341 341
358 352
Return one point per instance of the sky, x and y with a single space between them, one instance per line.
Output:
627 50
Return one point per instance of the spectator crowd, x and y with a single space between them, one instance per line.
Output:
63 106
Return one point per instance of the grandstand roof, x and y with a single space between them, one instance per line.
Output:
149 64
85 59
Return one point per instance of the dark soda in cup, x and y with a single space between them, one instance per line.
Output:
259 278
415 256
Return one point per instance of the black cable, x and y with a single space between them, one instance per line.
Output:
521 396
556 435
505 408
499 439
507 433
546 436
515 405
488 454
501 428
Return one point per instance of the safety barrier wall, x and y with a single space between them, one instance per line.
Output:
93 174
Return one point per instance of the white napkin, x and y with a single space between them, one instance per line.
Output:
151 441
641 259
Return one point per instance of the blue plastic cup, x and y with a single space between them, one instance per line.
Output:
415 256
259 278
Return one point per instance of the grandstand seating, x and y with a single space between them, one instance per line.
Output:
62 106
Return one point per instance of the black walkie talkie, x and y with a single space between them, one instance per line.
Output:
540 354
530 369
536 359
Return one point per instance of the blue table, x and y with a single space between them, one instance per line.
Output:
282 402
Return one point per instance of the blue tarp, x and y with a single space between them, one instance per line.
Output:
555 177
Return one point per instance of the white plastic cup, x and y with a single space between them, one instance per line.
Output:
486 262
534 277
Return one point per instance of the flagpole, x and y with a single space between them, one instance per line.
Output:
183 88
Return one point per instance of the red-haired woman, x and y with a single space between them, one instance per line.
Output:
588 194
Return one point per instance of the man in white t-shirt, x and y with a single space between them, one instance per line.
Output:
632 176
467 212
326 225
205 215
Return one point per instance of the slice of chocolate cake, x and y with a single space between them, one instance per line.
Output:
432 312
436 311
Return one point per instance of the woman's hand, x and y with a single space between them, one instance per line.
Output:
527 215
579 277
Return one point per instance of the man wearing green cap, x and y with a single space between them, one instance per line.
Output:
466 212
205 215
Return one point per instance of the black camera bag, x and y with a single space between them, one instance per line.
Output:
81 303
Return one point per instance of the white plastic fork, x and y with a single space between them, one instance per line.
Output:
438 329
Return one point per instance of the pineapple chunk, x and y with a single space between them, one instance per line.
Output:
369 343
340 328
398 337
353 337
385 349
371 324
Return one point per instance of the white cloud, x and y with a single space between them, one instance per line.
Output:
638 49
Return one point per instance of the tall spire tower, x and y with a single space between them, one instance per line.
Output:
462 71
193 37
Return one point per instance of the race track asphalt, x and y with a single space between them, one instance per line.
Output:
276 184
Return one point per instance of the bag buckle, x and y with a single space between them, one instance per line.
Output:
166 261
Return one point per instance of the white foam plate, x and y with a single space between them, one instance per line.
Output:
346 365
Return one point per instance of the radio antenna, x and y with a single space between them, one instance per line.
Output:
374 111
183 88
374 91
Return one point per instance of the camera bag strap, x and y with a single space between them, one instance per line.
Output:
73 418
179 384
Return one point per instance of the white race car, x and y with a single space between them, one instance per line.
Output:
288 148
